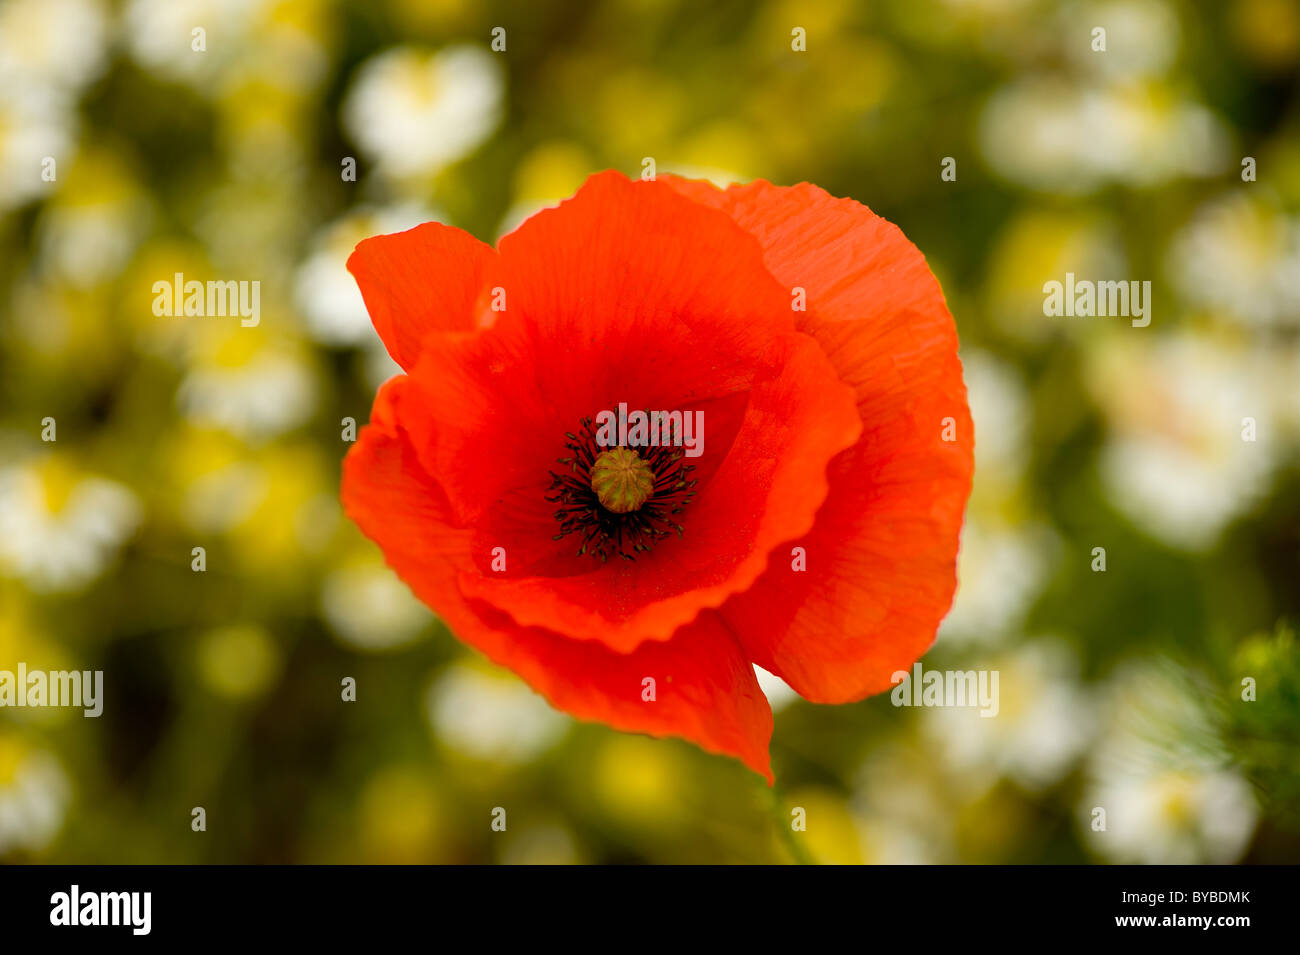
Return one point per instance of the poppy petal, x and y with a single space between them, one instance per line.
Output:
625 292
767 490
705 689
629 292
422 281
881 559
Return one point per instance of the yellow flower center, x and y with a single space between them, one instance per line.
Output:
622 480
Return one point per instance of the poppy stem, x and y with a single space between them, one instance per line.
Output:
793 843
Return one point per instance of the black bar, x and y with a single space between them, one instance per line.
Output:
329 904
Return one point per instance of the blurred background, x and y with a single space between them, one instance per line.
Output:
1120 689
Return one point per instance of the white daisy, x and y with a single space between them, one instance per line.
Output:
414 111
1162 778
1240 255
34 795
1176 462
58 43
59 530
37 123
369 608
160 36
490 717
1000 571
1142 37
225 497
245 42
1044 720
1055 135
90 240
270 392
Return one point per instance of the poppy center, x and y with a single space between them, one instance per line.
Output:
622 480
619 501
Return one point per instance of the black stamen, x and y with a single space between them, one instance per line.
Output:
604 533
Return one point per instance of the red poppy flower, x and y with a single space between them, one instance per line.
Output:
630 584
